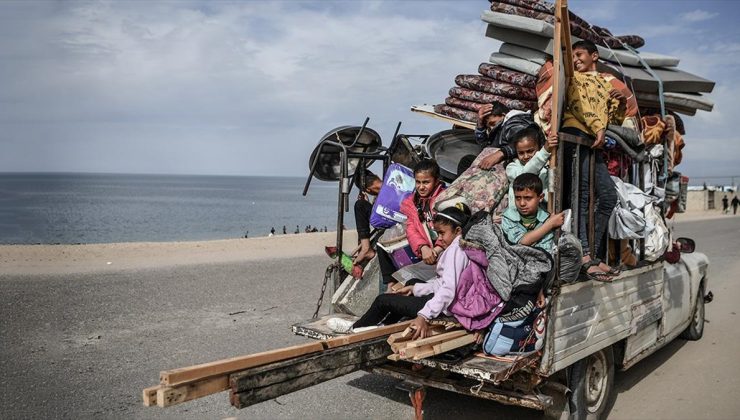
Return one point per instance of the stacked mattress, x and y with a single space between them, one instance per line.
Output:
526 28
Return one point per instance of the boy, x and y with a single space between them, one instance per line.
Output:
368 184
528 223
592 104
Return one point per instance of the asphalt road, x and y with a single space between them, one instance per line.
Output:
84 346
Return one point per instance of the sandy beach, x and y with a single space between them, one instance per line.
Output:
92 258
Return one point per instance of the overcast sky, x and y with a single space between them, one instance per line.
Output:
248 88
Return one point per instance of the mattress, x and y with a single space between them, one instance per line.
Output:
537 57
523 31
514 63
429 111
674 80
683 100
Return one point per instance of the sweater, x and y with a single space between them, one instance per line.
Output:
451 264
415 231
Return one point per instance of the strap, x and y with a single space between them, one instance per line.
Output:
653 74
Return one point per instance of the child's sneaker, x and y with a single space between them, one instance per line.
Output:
340 325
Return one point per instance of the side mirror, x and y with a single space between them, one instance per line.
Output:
687 245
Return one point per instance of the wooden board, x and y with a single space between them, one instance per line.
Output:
168 396
150 396
365 335
234 364
280 378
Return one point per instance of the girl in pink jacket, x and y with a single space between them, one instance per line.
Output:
419 215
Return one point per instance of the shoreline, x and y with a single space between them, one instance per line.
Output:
63 259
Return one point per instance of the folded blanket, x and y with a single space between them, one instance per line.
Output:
487 98
460 114
509 266
495 87
507 75
481 189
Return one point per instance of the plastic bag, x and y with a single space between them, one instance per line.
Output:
398 184
571 257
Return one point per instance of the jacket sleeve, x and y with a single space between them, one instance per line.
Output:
535 165
414 229
452 262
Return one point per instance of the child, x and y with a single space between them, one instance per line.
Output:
424 301
369 185
527 223
530 157
418 210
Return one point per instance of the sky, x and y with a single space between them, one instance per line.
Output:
250 87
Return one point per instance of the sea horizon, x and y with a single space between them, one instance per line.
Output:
85 207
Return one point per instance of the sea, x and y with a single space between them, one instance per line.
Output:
77 208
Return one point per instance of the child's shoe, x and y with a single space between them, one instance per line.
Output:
340 325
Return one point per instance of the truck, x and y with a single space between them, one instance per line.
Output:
592 329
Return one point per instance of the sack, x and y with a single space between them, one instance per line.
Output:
516 337
479 189
571 257
627 220
398 184
659 238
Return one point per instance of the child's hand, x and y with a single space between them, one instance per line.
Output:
615 94
541 301
600 140
405 291
479 335
557 220
428 255
483 112
420 327
491 160
552 142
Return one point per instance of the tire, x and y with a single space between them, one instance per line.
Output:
591 381
695 330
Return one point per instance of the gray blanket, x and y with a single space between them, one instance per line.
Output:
510 266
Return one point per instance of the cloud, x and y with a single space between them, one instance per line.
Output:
241 87
698 15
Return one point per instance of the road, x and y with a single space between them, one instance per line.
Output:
84 346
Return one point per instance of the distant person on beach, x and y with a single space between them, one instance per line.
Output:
297 229
735 203
272 231
246 235
725 204
285 231
369 185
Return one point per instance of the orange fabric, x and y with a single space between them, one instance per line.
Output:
678 144
631 103
653 128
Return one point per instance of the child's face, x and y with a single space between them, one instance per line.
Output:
425 183
374 188
527 201
525 149
583 61
446 233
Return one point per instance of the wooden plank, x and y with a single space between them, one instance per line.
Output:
168 396
280 378
454 344
365 335
150 396
436 339
370 351
234 364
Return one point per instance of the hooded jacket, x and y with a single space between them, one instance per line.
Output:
416 233
476 304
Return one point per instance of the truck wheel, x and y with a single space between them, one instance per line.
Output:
591 381
695 330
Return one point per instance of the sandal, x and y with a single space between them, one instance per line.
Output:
599 276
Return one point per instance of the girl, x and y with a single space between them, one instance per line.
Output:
422 300
530 157
419 215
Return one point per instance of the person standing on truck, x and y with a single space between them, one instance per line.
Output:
369 185
592 103
417 299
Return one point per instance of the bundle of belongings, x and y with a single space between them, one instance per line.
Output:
649 130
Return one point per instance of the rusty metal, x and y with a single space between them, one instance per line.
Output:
591 202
